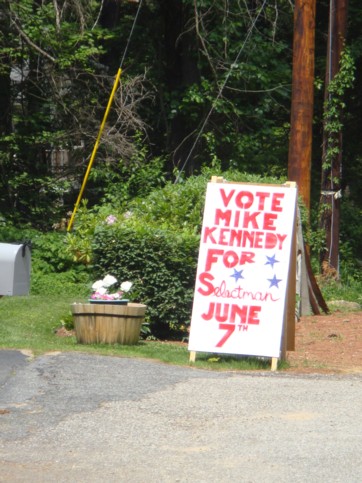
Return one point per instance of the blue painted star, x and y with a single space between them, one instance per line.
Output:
271 261
237 275
274 282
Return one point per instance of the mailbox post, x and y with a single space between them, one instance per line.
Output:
15 265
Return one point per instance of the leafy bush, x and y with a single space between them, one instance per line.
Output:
176 206
349 290
79 240
48 249
173 207
53 270
155 245
71 282
160 263
351 227
180 206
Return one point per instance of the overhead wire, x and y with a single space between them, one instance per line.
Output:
203 125
329 94
330 78
131 33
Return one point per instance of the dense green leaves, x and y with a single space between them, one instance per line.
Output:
155 245
162 266
53 55
204 84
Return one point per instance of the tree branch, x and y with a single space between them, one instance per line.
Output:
32 44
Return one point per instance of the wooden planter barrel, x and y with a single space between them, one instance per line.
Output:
108 323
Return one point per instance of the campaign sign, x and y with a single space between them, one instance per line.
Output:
243 267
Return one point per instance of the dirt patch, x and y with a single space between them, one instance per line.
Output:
63 332
328 343
325 344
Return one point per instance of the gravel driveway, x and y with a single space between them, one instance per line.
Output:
71 417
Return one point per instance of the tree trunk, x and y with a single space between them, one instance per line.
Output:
5 112
5 86
180 71
331 176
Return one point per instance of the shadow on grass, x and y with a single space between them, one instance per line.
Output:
232 362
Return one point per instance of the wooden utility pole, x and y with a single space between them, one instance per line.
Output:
301 121
300 144
331 176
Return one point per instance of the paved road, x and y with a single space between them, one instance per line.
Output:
85 418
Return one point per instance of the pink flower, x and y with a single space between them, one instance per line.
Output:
111 219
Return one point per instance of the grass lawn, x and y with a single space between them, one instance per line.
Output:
29 323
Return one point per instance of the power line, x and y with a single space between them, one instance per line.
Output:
251 28
131 33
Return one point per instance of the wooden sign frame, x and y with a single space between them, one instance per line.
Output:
288 310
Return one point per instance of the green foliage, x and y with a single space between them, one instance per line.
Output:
180 206
67 321
350 242
53 270
335 106
130 179
351 229
64 55
71 283
59 85
174 207
156 247
78 241
48 249
242 81
351 268
162 266
347 289
38 195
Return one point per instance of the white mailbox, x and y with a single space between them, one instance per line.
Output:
15 264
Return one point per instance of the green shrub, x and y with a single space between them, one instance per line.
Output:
351 228
79 240
48 249
52 269
155 245
175 206
180 206
160 263
335 290
71 282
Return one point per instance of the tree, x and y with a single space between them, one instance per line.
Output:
203 83
59 88
339 74
189 49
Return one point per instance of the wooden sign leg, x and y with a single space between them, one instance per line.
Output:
192 356
274 364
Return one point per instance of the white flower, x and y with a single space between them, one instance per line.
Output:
126 286
97 285
109 280
100 289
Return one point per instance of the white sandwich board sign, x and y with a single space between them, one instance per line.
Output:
243 269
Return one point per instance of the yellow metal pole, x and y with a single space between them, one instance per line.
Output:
95 148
